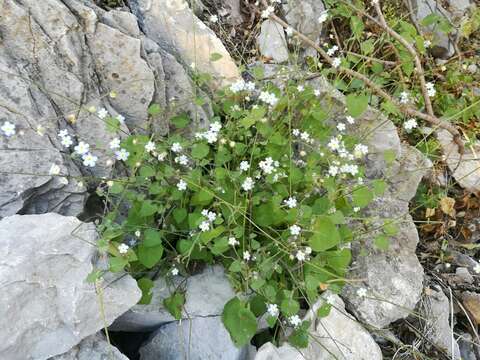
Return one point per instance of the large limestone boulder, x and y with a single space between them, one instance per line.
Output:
336 336
94 347
60 60
205 296
173 25
46 303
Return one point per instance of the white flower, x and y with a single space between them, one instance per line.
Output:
174 271
300 88
162 156
300 255
267 165
375 2
430 89
289 31
362 292
8 129
204 225
410 124
334 144
272 310
404 97
323 17
350 120
268 98
427 44
294 320
63 133
213 18
54 170
176 147
349 169
138 233
246 256
295 132
237 86
295 230
182 185
332 50
336 62
216 126
477 269
250 86
89 160
232 241
356 209
115 143
341 127
211 136
102 113
267 12
120 118
122 155
330 299
291 202
182 160
360 150
248 184
150 146
316 92
244 166
123 248
82 148
333 170
66 141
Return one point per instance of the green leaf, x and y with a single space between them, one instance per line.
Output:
362 196
325 235
147 171
382 242
148 208
146 285
289 307
152 238
117 263
357 104
180 121
239 321
116 188
154 109
179 215
215 56
299 336
357 26
389 156
174 304
149 256
324 310
200 150
207 236
202 197
379 187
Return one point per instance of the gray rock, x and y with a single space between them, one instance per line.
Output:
195 339
465 168
45 298
271 41
339 335
443 43
303 15
268 351
94 347
435 318
393 277
467 347
172 25
464 276
205 296
233 11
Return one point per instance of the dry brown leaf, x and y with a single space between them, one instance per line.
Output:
447 206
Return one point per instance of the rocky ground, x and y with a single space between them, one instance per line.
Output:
57 56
